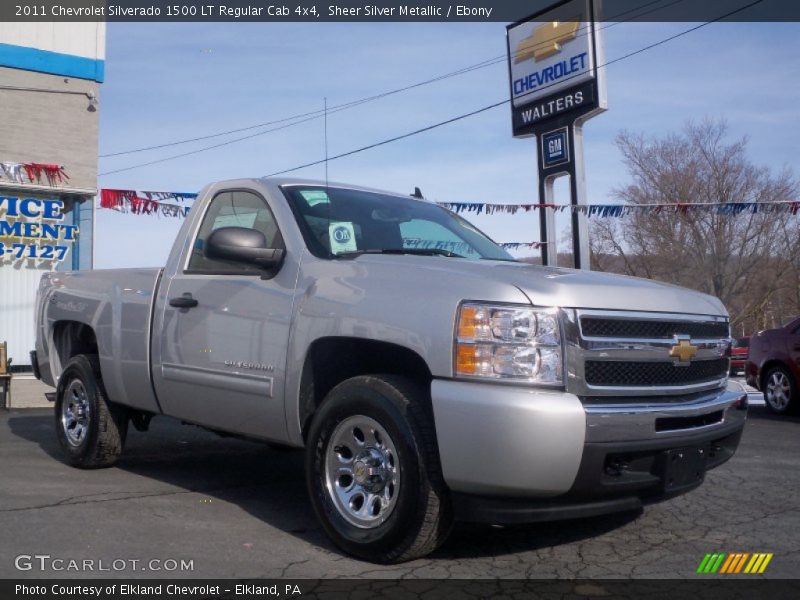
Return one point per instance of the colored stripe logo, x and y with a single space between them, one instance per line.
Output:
733 563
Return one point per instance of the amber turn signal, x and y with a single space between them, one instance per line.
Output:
467 359
467 321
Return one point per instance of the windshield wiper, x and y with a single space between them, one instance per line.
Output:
416 251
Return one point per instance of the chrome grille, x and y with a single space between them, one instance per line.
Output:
627 354
637 373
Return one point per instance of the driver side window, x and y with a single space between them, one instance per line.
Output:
233 209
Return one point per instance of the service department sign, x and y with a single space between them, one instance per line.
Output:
34 228
552 60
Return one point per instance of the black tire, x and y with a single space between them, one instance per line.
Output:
95 440
421 517
784 402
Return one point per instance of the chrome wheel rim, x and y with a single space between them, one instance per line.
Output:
362 472
75 412
778 390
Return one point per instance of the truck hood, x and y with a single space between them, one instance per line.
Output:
572 288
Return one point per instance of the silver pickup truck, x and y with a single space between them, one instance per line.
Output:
429 376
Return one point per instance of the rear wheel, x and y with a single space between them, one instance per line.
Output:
90 429
780 391
373 473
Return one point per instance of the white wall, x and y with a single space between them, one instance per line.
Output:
17 297
79 39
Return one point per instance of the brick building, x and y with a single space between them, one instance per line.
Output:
50 76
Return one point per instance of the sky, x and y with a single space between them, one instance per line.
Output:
167 82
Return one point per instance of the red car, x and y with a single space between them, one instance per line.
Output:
740 350
773 366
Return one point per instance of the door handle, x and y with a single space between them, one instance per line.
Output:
185 301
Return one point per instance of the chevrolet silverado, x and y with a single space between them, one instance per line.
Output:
428 375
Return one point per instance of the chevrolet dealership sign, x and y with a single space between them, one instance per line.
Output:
553 59
549 56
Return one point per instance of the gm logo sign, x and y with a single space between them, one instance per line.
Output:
555 148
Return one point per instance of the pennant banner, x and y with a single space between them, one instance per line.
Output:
163 204
145 203
489 208
153 203
621 210
33 173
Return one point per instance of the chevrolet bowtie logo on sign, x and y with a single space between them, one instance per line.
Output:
683 351
551 63
547 40
735 563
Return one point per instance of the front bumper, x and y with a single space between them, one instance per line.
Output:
512 454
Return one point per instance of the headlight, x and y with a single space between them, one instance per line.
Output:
518 343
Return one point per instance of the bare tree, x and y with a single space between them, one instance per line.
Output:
741 259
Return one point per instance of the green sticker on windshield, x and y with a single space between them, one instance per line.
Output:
342 237
314 197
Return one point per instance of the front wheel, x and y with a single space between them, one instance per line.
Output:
90 429
780 393
373 473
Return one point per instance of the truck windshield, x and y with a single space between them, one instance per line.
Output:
340 222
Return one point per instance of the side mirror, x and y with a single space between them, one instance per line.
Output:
243 245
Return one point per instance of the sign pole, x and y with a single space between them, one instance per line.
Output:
547 220
577 188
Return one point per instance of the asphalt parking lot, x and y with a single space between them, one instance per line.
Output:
239 509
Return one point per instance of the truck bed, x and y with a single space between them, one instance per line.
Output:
117 305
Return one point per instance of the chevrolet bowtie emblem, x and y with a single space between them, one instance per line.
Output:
683 351
546 40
